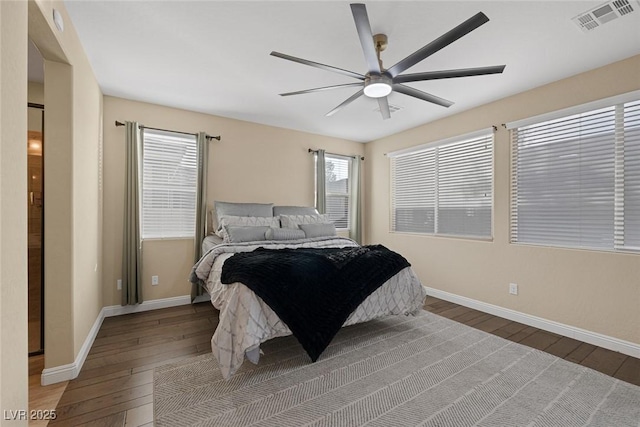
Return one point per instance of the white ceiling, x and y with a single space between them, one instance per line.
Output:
213 56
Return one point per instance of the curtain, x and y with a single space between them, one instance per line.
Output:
132 244
202 159
321 194
355 208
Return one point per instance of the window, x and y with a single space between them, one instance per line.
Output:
168 185
444 188
576 178
337 189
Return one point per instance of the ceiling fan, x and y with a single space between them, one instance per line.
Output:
379 82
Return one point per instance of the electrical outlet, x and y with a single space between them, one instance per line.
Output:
119 284
154 280
513 288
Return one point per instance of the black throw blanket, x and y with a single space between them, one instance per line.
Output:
314 291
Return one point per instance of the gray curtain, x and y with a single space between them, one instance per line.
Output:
132 243
201 203
321 193
355 209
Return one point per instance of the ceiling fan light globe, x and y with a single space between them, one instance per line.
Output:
377 86
377 90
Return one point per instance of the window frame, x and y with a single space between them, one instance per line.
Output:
617 103
347 194
186 139
435 145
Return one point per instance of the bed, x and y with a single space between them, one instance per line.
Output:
247 319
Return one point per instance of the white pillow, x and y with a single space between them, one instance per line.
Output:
293 221
239 209
247 221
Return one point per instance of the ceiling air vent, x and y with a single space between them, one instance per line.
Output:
604 13
392 108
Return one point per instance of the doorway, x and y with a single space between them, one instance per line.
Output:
35 227
35 200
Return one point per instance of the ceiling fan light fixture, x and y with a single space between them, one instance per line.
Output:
379 82
377 86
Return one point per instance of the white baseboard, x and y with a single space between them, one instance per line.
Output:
611 343
155 304
58 374
68 372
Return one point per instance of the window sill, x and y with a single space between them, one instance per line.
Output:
151 239
628 251
445 236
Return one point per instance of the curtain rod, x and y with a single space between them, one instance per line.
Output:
209 137
311 150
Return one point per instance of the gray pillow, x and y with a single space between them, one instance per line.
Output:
247 221
318 230
294 210
284 234
241 209
292 221
238 234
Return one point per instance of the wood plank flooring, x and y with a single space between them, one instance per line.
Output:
42 398
115 386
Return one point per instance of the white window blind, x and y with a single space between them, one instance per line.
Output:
168 185
628 219
444 188
576 180
337 189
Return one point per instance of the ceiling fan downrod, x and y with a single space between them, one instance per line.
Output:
381 42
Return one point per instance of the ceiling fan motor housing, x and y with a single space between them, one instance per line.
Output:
377 85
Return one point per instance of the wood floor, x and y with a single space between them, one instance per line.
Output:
115 386
42 398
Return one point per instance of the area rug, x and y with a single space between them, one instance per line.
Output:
400 371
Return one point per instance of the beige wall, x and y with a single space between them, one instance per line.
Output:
593 290
58 215
13 208
252 163
73 297
35 94
87 194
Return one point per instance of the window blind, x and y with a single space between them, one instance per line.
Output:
444 188
628 179
168 185
337 189
576 180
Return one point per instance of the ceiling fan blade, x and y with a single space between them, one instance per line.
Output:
348 101
383 103
422 95
363 26
320 89
318 65
449 74
439 43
